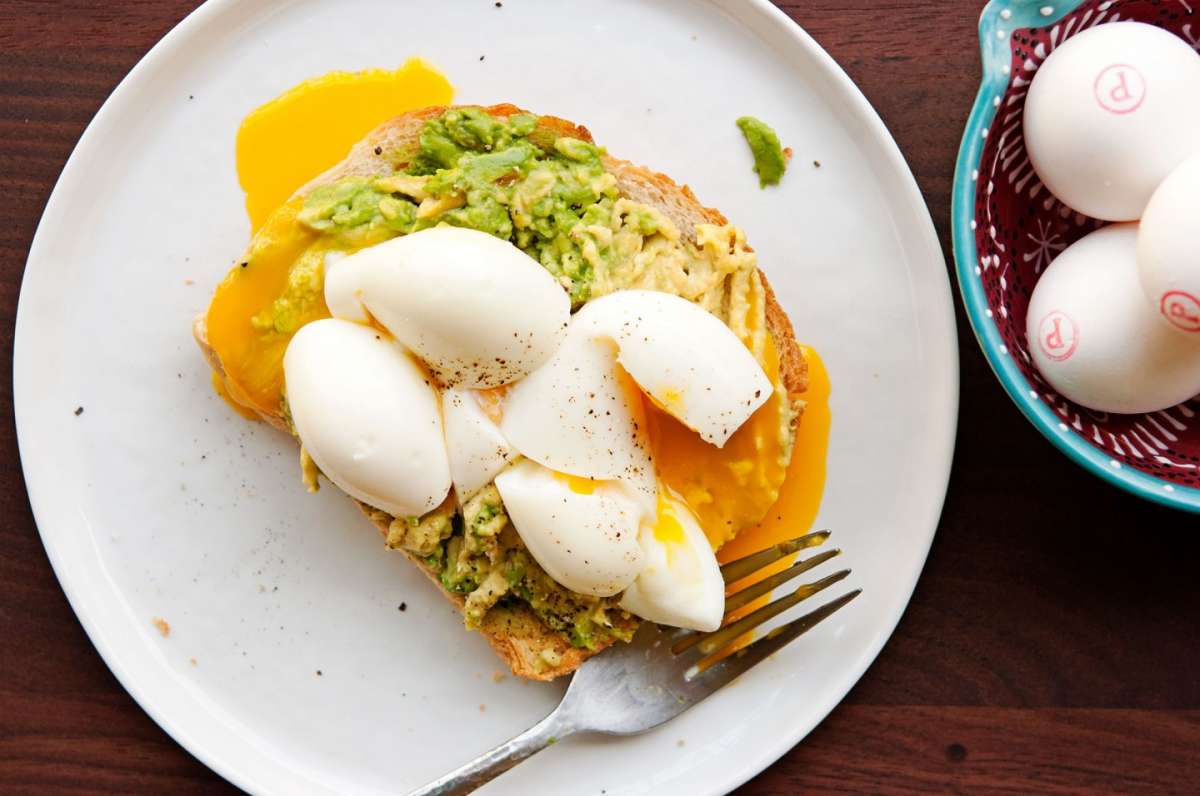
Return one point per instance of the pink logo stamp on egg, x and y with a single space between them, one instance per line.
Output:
1181 309
1120 89
1058 336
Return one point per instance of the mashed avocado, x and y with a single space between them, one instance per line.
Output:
769 160
554 199
477 553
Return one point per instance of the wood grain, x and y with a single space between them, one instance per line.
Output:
1050 646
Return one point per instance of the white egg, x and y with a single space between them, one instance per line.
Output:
683 357
583 533
478 311
477 449
1096 339
680 584
1167 248
368 416
580 414
1109 114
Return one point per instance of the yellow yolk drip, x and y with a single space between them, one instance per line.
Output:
280 147
727 488
799 500
253 359
309 128
667 528
795 511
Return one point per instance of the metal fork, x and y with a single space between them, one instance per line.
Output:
664 671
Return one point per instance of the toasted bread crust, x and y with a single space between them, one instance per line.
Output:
517 635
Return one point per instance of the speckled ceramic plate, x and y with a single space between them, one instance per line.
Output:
1007 229
288 667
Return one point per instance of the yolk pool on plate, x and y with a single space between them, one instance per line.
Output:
793 513
296 136
280 147
799 499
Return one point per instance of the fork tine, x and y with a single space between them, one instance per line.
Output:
747 595
730 667
711 642
736 570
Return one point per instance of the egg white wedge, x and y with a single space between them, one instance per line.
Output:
583 533
477 449
688 361
368 416
680 584
478 311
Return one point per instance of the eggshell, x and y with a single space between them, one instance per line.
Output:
1096 339
1110 113
1168 249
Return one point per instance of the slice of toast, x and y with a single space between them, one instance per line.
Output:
519 637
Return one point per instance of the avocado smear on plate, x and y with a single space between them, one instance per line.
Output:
769 159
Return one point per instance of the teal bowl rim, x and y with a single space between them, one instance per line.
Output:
998 20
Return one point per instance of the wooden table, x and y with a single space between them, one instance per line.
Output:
1052 643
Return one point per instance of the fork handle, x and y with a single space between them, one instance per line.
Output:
489 765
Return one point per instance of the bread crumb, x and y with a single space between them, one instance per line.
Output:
787 154
189 281
164 629
680 743
192 661
498 676
482 707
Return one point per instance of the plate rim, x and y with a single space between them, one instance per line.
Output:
858 107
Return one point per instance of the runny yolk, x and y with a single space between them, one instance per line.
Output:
310 127
795 511
728 488
577 484
280 147
667 528
253 359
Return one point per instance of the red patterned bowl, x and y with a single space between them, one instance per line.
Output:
1007 229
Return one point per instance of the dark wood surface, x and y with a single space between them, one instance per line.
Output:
1052 643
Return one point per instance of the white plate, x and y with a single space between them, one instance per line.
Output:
158 502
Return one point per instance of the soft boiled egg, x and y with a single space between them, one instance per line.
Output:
1096 339
368 416
1167 262
1110 113
581 412
680 583
478 311
477 449
584 533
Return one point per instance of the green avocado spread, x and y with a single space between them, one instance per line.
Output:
769 159
478 554
475 170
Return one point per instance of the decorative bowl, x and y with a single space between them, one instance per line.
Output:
1007 228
